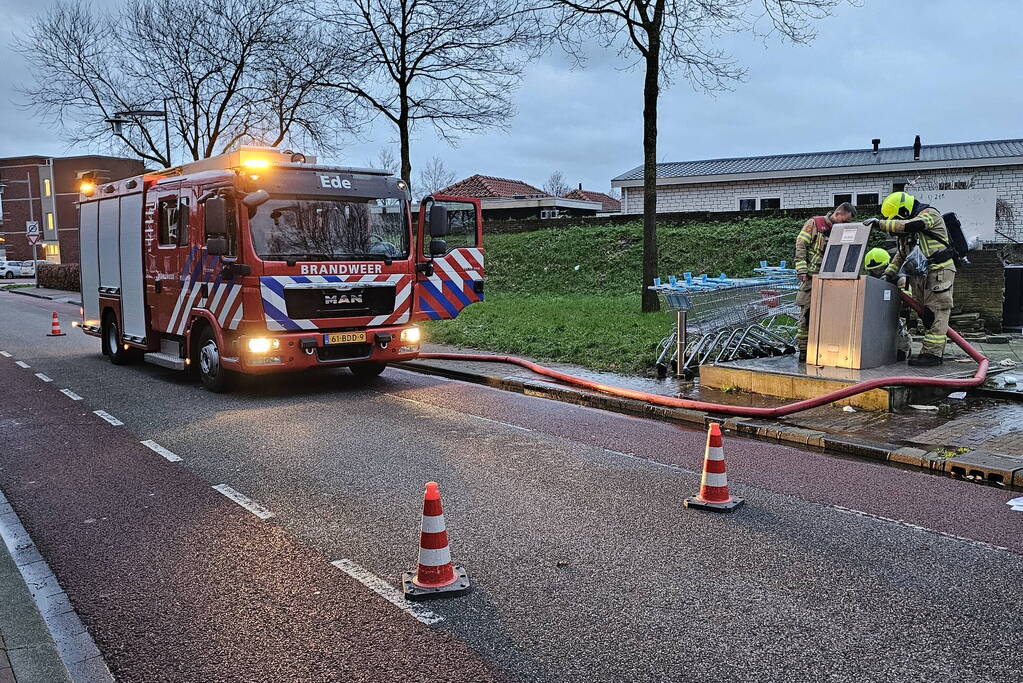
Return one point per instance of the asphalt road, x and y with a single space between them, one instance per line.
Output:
584 563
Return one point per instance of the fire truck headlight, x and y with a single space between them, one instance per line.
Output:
262 344
411 335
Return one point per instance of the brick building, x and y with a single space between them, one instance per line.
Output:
45 189
814 179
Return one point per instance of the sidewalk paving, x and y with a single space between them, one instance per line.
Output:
27 650
61 295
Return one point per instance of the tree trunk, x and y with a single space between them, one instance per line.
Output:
403 137
650 92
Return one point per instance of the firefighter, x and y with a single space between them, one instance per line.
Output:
810 245
918 224
875 263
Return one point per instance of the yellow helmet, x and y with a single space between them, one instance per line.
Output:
876 258
897 205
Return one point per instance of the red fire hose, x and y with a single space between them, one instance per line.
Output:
746 411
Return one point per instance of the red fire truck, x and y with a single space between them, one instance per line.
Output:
261 261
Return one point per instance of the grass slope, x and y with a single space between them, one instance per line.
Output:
571 294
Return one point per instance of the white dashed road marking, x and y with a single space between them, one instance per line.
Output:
22 364
168 455
108 417
71 395
5 354
386 591
44 377
243 500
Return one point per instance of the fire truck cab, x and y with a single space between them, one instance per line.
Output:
260 261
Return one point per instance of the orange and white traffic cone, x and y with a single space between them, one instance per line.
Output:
714 484
55 327
435 576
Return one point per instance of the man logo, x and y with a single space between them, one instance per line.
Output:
335 299
335 181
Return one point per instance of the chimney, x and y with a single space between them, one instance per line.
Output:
580 186
916 149
876 142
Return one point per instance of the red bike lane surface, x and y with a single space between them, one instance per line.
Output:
939 503
176 582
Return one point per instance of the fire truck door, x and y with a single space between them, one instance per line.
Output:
454 253
178 264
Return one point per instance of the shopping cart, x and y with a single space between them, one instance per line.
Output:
723 318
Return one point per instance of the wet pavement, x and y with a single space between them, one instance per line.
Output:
585 565
975 415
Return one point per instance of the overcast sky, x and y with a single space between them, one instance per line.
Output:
953 75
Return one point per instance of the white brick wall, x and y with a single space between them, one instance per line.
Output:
813 192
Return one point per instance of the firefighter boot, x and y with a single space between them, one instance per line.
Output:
925 360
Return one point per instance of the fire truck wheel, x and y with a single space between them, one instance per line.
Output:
211 371
112 342
366 371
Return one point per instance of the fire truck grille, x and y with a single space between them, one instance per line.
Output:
307 304
343 352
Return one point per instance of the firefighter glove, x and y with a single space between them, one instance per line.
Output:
871 223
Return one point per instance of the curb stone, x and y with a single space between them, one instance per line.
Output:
36 295
1010 477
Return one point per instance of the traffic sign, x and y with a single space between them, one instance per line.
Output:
32 228
33 239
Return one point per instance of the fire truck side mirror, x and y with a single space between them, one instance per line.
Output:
438 247
216 217
438 220
216 246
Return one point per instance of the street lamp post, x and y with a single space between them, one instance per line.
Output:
118 120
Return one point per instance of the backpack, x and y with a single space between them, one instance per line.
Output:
956 246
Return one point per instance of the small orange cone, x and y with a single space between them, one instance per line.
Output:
55 327
435 576
714 484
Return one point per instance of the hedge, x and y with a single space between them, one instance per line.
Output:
65 276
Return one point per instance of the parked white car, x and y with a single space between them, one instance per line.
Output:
10 269
28 268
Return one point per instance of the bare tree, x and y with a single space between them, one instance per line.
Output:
449 64
384 160
556 185
434 177
672 36
229 72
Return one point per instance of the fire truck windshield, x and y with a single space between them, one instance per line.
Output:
330 229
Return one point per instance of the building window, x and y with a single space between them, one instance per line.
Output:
770 203
866 199
748 204
52 252
47 190
954 185
49 221
842 198
898 187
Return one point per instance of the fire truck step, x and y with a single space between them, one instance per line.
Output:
165 360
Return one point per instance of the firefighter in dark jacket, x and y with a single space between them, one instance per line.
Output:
810 245
917 224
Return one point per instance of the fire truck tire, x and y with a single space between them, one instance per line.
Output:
366 371
212 372
112 342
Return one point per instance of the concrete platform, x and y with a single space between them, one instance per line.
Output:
786 377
